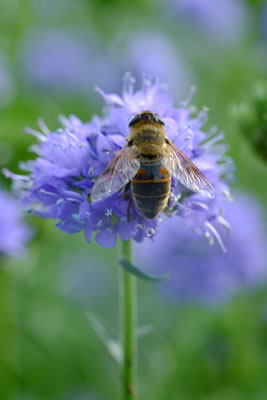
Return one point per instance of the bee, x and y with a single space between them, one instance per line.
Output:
146 163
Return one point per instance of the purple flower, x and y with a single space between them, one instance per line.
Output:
69 160
222 20
63 60
14 234
204 273
154 54
83 278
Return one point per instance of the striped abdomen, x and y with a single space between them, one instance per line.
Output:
151 189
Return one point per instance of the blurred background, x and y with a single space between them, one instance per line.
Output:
209 334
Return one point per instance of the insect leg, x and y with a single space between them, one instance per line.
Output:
126 196
129 208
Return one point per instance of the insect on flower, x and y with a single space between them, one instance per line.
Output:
62 181
146 164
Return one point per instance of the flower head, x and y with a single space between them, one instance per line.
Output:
204 273
222 20
63 61
69 160
162 60
14 234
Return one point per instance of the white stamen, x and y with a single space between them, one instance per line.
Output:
151 232
187 100
216 235
72 200
64 121
108 212
43 126
43 191
228 195
37 134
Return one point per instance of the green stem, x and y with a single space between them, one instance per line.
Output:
128 326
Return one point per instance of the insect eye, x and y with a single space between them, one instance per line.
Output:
159 120
135 119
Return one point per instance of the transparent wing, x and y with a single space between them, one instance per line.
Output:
121 169
186 172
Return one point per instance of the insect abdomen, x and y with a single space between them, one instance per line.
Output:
151 189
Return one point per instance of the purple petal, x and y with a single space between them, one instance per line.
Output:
106 238
127 229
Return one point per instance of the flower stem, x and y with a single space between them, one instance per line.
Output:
128 325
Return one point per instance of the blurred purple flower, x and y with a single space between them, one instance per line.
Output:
14 234
221 20
63 60
70 159
154 54
83 277
206 274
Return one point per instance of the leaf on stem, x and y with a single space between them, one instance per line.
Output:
129 267
113 346
143 330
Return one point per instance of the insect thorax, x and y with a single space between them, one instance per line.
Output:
148 134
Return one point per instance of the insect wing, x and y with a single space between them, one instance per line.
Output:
121 169
186 172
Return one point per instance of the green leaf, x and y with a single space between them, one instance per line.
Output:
113 346
144 330
129 267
